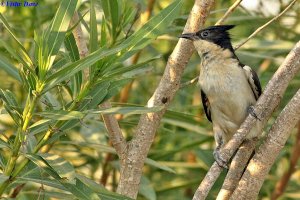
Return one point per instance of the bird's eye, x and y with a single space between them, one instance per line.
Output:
204 34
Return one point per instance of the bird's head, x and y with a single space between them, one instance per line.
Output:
211 37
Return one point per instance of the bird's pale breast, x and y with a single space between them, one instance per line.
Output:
228 92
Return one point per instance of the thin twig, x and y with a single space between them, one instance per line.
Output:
228 12
114 131
265 25
81 44
113 128
194 80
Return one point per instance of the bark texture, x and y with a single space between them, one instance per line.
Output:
236 170
283 182
262 161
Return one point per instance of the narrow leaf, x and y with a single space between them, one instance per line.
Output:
149 30
22 50
9 68
61 114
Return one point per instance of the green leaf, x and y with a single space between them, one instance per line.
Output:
121 70
102 192
3 161
93 28
42 164
81 191
111 11
115 87
3 178
93 35
154 27
71 46
40 180
9 98
9 68
45 193
63 168
180 148
103 37
189 126
56 167
61 114
11 105
69 115
126 110
146 189
149 30
21 50
96 146
159 165
56 32
97 95
3 144
39 126
76 81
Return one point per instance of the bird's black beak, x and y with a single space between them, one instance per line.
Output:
189 36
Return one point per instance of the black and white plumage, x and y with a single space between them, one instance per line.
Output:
228 88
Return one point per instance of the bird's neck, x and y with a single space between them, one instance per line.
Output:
208 50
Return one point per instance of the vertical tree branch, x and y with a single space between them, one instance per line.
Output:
283 182
262 161
81 44
131 167
111 124
114 132
264 108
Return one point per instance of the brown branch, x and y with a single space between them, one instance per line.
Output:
114 132
265 25
131 168
124 94
81 44
237 167
262 161
264 107
111 124
229 11
283 182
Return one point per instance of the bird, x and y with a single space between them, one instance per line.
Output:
229 89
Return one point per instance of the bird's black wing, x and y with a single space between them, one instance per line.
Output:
206 105
253 81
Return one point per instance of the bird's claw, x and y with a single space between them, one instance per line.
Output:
251 111
218 158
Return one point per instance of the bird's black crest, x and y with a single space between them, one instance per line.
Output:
218 35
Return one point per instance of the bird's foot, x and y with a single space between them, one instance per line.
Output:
251 111
218 158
